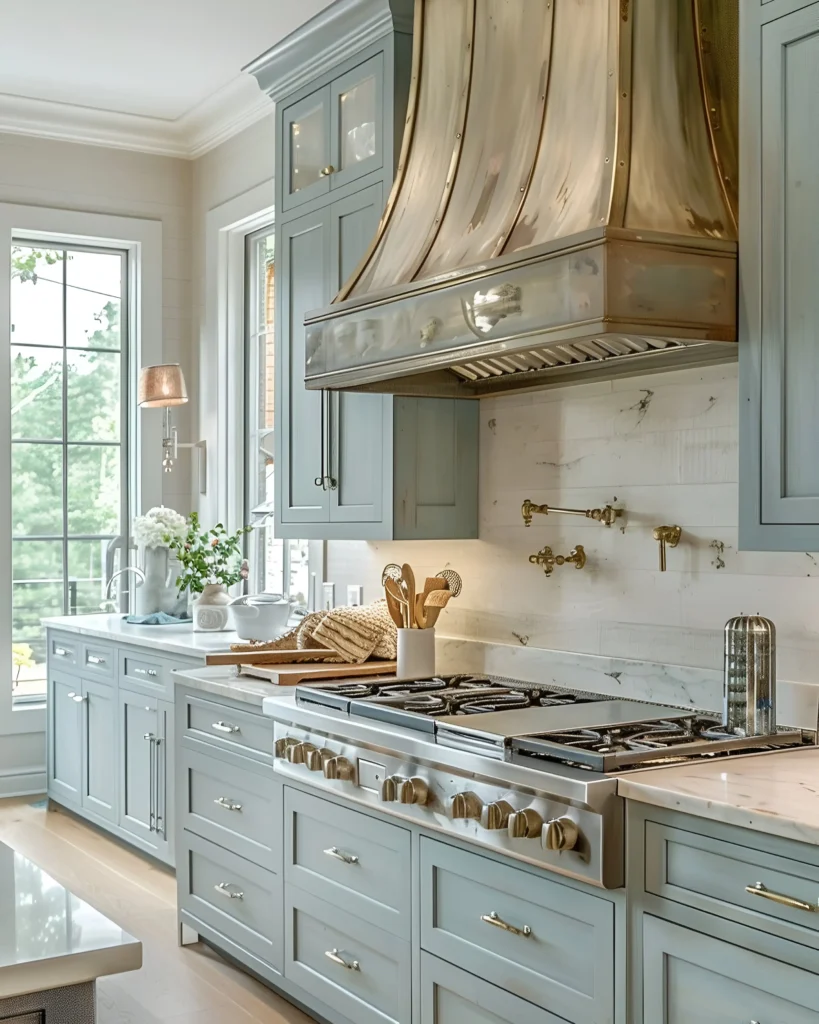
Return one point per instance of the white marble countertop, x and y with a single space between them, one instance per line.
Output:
776 793
168 639
226 682
50 938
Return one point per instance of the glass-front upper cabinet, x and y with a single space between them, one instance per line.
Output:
334 135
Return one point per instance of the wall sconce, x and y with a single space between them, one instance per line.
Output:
162 387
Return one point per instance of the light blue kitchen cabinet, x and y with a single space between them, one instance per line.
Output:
145 733
99 769
689 978
65 738
351 465
779 265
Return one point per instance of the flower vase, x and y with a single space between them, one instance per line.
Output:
158 592
210 609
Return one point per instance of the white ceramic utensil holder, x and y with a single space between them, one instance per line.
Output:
416 653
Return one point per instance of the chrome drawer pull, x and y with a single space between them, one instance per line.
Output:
229 889
498 922
347 858
786 901
229 805
76 697
224 727
61 652
152 672
333 954
94 660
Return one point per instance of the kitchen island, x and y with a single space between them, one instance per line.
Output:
53 947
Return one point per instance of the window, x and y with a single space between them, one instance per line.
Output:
69 472
276 566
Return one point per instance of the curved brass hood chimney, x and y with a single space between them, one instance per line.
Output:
565 202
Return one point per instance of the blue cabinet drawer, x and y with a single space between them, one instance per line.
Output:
714 875
238 808
356 862
214 724
99 660
358 970
542 940
141 672
239 899
63 650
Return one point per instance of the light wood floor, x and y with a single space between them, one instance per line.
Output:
177 985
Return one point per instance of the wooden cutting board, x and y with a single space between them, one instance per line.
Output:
270 657
291 675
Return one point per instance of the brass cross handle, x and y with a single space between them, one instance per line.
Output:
667 535
546 558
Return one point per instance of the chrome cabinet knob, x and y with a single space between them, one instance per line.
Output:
560 834
495 816
316 759
525 824
465 805
297 753
338 768
413 791
283 744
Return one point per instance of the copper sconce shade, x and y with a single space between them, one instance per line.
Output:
162 386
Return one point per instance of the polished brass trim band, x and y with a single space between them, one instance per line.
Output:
460 125
403 159
526 184
710 110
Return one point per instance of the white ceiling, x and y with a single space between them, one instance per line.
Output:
153 63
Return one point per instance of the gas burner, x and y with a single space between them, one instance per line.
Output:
426 704
555 699
495 702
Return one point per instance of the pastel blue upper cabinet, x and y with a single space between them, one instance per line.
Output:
779 266
351 466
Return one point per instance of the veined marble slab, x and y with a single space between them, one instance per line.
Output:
225 682
165 639
797 703
775 793
49 938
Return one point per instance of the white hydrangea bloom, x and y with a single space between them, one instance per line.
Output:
152 529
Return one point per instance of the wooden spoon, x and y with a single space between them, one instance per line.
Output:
397 604
408 585
434 604
431 583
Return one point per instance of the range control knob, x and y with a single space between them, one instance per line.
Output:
389 788
316 759
413 791
283 744
297 753
338 768
525 824
495 816
465 805
560 834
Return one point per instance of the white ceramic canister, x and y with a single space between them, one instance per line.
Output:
416 653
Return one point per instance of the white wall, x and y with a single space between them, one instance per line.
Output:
664 446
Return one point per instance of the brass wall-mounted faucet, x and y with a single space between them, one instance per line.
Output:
606 515
546 558
667 535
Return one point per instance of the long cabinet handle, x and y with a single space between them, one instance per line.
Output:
321 481
347 858
498 922
348 965
332 482
225 727
776 897
230 890
152 673
159 808
149 736
228 805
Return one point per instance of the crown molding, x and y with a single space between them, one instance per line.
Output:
222 115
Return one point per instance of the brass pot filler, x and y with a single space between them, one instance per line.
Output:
666 536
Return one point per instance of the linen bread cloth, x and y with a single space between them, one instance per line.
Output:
355 634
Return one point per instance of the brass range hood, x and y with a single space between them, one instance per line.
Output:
565 205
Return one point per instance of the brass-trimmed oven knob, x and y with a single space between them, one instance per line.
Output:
560 834
283 744
495 816
297 752
413 791
338 768
316 759
465 805
389 788
525 824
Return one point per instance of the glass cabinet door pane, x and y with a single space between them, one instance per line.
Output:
357 122
307 148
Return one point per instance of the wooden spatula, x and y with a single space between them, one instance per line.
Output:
396 605
408 586
434 604
430 583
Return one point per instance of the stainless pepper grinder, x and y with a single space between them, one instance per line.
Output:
750 676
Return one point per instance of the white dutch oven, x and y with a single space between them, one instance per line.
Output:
260 616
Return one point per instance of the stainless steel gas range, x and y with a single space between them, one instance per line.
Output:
528 772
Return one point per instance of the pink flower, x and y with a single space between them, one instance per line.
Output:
214 542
